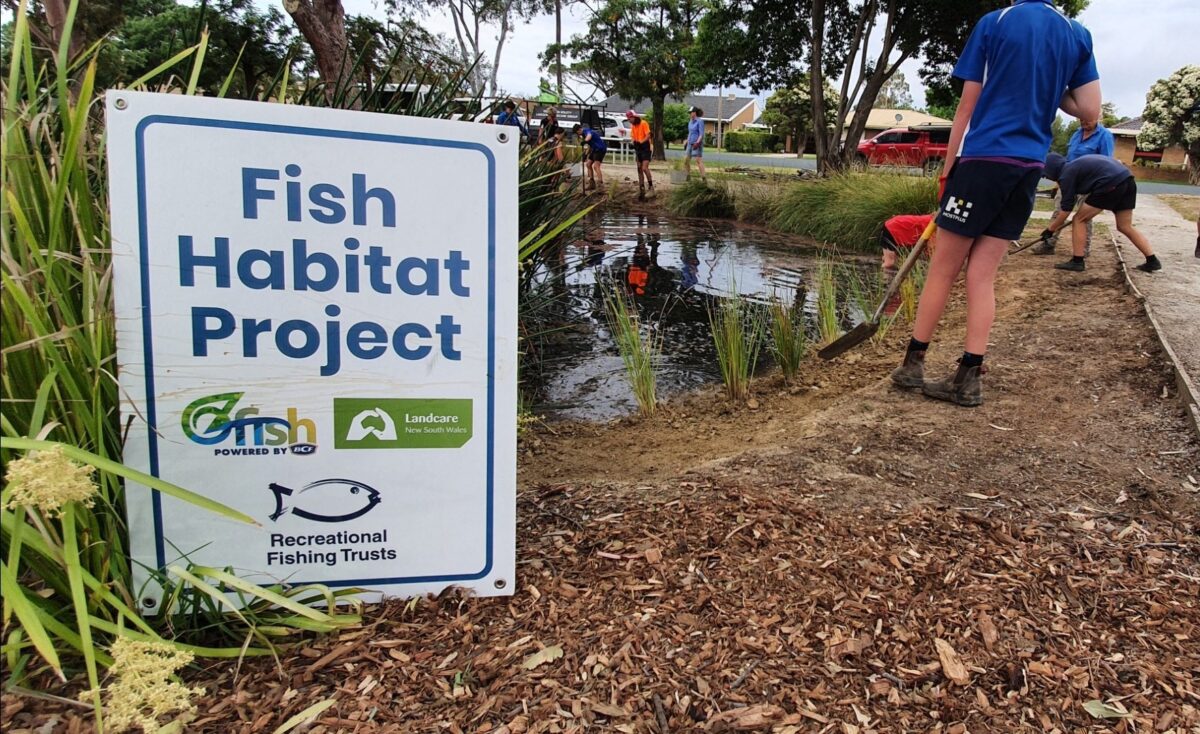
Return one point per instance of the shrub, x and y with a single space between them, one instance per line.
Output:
757 204
701 199
748 141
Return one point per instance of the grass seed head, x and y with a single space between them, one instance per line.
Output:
142 692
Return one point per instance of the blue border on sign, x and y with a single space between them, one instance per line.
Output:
147 334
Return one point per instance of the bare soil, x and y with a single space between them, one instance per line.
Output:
835 556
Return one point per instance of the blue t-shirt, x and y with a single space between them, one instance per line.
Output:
592 140
695 131
1100 142
1026 56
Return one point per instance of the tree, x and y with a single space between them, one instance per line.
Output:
323 25
789 112
1172 116
644 47
895 94
675 122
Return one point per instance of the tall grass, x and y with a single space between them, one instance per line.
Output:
757 204
738 332
828 324
66 572
789 337
847 209
640 348
700 199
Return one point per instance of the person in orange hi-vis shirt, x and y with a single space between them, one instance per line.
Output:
639 133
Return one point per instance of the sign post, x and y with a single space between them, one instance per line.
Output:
316 325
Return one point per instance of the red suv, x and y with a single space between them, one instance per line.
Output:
919 146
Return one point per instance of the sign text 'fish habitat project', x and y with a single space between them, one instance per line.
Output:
317 326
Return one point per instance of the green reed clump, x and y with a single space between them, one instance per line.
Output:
738 333
758 204
828 324
848 209
789 337
698 198
640 348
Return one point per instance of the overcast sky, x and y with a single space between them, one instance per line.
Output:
1137 42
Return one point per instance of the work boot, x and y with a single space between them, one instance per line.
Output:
1074 267
1152 265
962 388
1045 247
911 374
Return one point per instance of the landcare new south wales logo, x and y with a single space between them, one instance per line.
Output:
217 421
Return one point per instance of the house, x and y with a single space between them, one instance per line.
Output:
1127 150
735 112
885 119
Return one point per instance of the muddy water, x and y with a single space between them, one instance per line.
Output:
675 270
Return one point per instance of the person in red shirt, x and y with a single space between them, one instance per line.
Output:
901 231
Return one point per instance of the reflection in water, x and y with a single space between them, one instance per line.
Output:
674 270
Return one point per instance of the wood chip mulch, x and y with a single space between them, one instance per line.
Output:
691 607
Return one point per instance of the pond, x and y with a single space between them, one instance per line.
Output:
676 270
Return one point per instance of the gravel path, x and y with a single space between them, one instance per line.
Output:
1174 292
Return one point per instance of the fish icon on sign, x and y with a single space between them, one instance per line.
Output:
326 500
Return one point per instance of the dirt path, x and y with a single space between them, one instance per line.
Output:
843 558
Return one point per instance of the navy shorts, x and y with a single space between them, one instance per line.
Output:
989 198
1119 198
596 156
641 151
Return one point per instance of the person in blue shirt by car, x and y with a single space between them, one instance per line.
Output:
1020 66
594 150
1091 138
695 143
509 116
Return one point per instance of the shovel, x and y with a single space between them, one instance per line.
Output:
867 329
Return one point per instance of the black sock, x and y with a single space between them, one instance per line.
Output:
916 346
1077 258
971 360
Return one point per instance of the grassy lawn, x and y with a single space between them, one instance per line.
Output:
1185 204
1042 204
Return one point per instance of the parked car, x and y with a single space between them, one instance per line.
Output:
919 146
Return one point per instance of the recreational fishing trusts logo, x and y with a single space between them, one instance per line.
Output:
216 420
326 500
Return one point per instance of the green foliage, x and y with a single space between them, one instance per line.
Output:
847 210
675 122
750 141
738 332
1172 116
828 325
789 338
643 47
789 111
639 347
895 94
700 199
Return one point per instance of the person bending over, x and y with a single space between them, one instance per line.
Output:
1106 184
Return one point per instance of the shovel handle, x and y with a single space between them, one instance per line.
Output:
909 262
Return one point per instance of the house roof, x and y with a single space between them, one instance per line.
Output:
706 102
882 119
1129 128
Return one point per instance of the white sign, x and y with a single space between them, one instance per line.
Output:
316 325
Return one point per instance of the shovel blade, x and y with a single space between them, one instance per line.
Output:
849 340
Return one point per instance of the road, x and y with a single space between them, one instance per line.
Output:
808 164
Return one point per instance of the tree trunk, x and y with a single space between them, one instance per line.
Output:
1194 165
323 24
656 128
558 46
56 18
826 146
504 23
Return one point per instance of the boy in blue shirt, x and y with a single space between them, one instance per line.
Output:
695 143
1107 184
1020 65
594 150
509 116
1091 138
